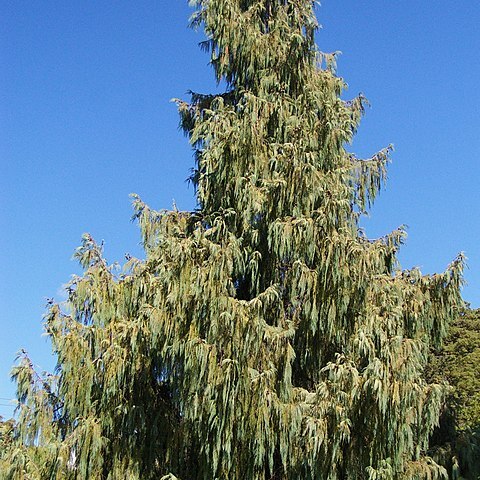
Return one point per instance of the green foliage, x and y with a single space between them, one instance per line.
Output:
6 439
263 337
460 361
457 442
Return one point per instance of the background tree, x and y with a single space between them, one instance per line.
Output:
6 438
456 443
264 337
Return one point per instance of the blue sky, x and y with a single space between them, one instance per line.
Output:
85 120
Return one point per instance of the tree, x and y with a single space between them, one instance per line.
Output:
6 438
264 336
456 443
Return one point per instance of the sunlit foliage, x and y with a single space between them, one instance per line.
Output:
264 336
456 443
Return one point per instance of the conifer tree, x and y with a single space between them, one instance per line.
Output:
264 336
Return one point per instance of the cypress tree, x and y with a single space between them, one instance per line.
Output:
263 336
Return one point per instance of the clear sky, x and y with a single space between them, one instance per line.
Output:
85 120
